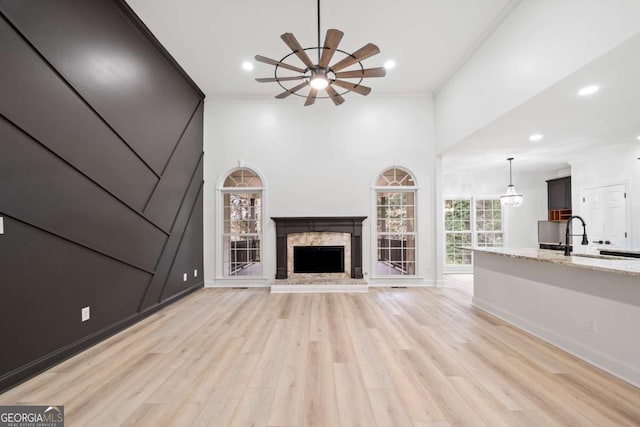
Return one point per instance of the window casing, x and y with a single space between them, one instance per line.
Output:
395 223
471 222
242 224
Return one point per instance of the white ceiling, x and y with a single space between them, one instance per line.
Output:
572 125
428 39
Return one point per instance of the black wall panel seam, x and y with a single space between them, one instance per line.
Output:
175 148
106 190
82 245
177 144
146 32
144 298
175 255
73 89
184 195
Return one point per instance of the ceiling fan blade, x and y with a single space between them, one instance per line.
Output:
311 98
279 79
337 99
368 72
362 90
331 42
364 52
292 90
269 61
293 44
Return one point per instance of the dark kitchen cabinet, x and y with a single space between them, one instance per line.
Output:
559 193
559 198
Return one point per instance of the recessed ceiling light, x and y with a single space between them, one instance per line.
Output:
588 90
536 137
247 66
638 137
390 64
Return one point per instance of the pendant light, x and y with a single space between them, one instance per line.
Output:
511 197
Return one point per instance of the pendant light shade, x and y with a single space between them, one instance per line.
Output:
511 197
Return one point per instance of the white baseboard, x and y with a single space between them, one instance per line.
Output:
261 283
409 282
601 360
313 289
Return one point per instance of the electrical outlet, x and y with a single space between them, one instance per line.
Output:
592 326
184 277
86 313
195 273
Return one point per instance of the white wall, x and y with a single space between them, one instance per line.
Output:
538 44
521 223
320 161
615 164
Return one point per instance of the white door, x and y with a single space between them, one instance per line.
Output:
615 226
605 212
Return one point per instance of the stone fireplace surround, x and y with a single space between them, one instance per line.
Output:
299 225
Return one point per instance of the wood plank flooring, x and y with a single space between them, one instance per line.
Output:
393 357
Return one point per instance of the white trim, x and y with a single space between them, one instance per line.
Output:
396 165
408 281
601 360
314 289
219 222
233 283
468 268
373 201
241 165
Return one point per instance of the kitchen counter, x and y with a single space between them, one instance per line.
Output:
629 266
587 305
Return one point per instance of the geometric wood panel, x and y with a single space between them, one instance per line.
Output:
101 178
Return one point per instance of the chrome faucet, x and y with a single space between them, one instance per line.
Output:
567 246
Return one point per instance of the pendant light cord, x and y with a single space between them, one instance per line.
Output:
510 180
319 47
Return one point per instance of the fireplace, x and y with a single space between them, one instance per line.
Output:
323 233
318 259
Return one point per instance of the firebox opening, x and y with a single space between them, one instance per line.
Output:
318 259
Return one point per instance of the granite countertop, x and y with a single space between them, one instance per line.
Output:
620 265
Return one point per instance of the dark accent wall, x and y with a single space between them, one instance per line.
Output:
101 175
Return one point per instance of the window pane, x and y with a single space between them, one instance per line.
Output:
396 247
242 225
242 178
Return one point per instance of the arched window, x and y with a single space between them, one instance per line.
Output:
242 223
396 223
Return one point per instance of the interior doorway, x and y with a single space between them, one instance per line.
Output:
605 212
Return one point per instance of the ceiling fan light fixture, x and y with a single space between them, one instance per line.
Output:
315 75
318 79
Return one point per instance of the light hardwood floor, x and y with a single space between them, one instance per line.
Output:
401 357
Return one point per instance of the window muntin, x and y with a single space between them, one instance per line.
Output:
488 223
457 228
242 224
471 222
242 177
396 223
